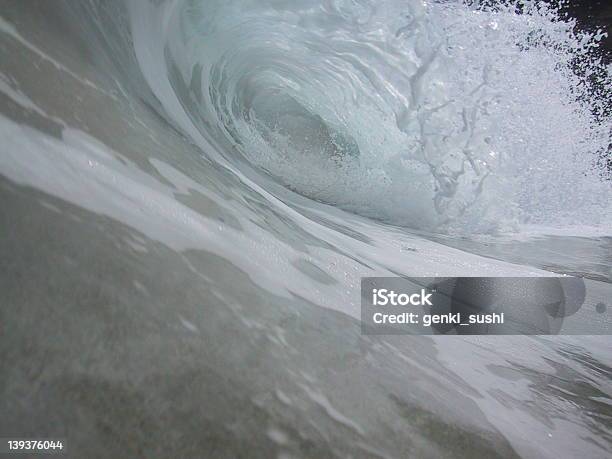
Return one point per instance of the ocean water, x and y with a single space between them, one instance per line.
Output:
192 190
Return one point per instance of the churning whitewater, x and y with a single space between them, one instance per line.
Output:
194 189
427 115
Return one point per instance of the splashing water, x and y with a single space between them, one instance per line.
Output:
433 115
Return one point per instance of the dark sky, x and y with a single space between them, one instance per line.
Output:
593 14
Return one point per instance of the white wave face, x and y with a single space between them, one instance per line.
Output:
430 115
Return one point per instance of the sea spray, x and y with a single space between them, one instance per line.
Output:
435 115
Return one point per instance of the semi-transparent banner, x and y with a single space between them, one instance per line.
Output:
485 306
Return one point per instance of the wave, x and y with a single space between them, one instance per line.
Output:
437 116
195 189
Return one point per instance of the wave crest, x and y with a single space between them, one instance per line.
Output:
438 116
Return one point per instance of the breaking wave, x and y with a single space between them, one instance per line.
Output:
432 115
175 176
